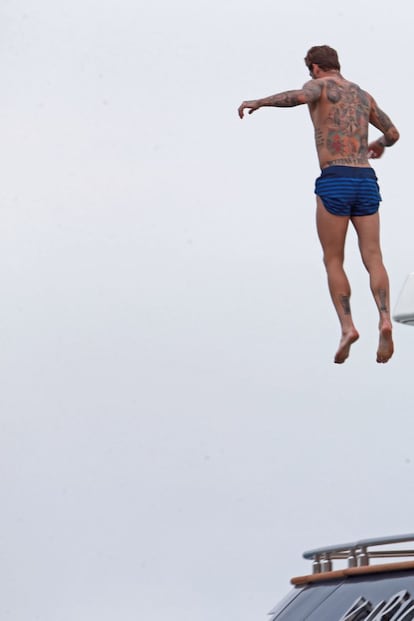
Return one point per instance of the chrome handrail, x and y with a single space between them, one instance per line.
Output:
357 553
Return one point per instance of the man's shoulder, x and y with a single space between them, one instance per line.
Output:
342 85
312 90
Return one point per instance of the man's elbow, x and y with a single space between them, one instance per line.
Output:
392 135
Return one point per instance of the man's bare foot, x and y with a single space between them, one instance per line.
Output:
386 345
345 345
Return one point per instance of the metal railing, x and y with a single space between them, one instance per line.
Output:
357 554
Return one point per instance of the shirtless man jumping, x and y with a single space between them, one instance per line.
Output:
347 189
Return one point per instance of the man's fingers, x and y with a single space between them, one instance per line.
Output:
251 108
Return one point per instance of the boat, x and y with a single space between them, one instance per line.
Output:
375 582
404 309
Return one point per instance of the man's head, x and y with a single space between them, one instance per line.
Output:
324 56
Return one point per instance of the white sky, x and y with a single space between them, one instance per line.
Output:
173 431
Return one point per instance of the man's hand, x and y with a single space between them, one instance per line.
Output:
250 105
375 149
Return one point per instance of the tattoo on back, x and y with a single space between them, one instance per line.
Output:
347 161
319 137
346 132
333 91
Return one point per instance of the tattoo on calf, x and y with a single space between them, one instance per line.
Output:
346 304
383 300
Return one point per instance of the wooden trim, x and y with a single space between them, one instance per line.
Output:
328 575
352 571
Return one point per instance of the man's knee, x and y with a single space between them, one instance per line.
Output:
371 257
333 261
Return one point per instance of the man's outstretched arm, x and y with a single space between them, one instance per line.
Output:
288 99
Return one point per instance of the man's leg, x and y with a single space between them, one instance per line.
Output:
332 233
367 228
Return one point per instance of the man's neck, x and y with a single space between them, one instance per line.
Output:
330 73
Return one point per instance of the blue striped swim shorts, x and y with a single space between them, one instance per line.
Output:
349 190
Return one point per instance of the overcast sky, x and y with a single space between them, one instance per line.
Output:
174 432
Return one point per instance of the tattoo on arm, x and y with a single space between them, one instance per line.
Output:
288 99
312 91
382 121
378 118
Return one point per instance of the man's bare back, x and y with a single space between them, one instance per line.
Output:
340 112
